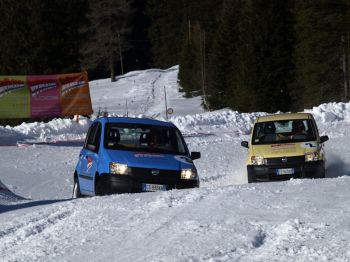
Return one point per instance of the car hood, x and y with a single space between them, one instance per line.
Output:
150 160
280 150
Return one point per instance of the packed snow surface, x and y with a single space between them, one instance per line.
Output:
223 220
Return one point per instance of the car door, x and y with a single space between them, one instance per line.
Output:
89 159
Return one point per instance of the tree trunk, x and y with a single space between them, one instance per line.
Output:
347 51
111 69
345 72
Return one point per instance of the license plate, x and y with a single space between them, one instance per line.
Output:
285 171
153 187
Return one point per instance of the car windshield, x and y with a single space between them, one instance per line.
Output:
283 131
144 138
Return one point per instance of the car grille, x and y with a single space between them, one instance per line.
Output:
273 164
148 175
285 162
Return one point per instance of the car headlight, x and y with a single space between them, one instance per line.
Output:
118 169
188 174
258 160
313 156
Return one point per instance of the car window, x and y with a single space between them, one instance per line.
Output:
93 137
145 138
180 143
283 131
97 137
90 135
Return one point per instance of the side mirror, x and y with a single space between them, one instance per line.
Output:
245 144
195 155
324 139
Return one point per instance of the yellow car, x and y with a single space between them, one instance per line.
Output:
285 146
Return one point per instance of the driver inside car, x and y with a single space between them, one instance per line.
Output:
298 130
153 138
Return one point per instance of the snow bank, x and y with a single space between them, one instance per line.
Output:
55 130
66 129
225 118
242 122
331 112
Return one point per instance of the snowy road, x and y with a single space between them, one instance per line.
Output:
224 220
291 221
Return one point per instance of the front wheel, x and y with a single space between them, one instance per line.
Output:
99 190
76 189
250 175
323 172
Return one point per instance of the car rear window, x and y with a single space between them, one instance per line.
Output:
145 138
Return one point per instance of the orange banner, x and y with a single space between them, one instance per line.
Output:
75 94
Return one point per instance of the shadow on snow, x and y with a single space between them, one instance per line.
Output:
10 201
21 205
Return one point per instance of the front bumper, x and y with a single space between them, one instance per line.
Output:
301 169
134 183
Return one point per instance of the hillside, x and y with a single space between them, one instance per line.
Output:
224 220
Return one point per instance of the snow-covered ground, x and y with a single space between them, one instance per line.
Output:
224 220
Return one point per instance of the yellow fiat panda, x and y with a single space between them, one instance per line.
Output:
285 146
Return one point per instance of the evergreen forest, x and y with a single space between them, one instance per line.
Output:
248 55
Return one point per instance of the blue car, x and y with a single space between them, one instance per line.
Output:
129 155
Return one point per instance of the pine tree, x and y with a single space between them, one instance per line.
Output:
190 68
274 47
56 25
223 56
138 57
251 65
109 25
41 36
201 18
243 69
166 31
322 36
14 26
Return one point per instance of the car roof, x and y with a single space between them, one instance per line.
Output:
132 120
288 116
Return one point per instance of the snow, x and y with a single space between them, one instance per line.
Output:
226 219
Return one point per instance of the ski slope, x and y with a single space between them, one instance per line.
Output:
224 220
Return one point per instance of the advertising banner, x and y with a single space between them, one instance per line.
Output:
75 95
44 96
14 97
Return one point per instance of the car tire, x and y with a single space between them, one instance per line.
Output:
323 173
250 175
98 186
250 180
76 188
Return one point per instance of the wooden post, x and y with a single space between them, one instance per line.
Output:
166 104
202 53
120 55
76 118
345 71
126 105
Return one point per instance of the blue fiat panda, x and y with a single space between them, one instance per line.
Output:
129 155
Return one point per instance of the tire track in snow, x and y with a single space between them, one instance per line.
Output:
158 216
13 237
150 100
